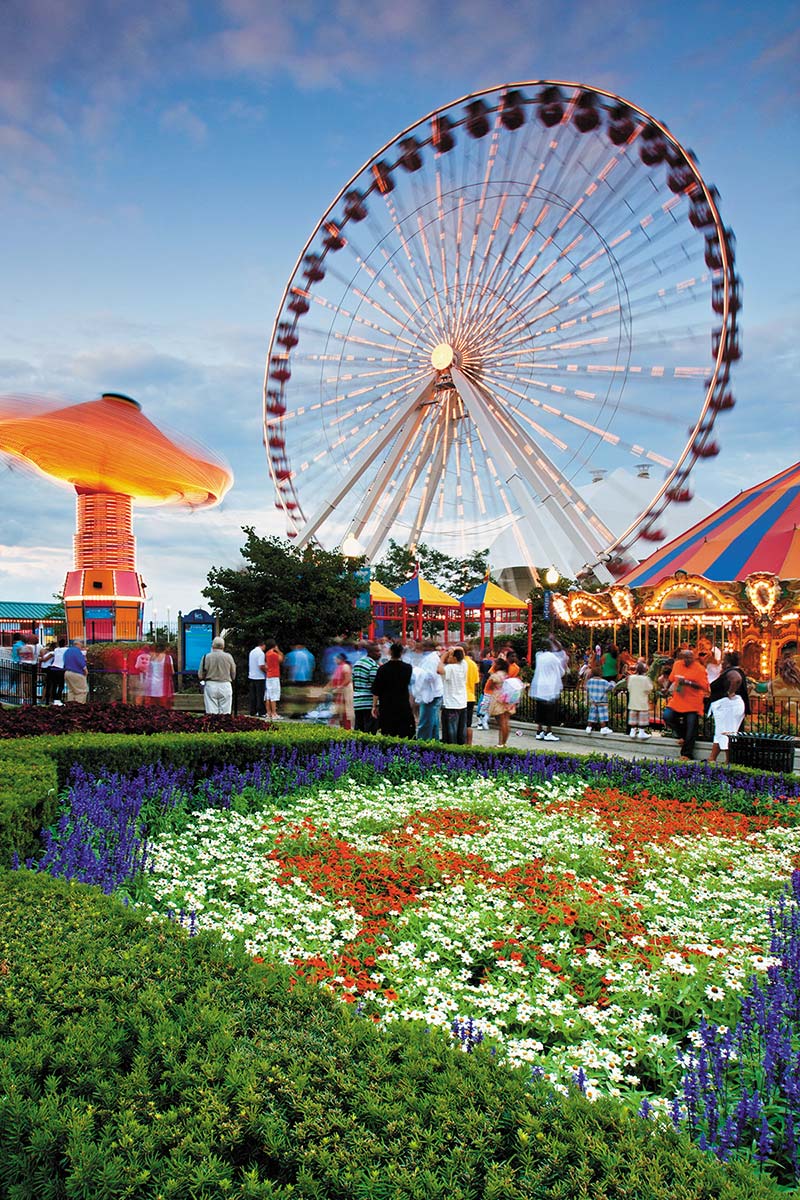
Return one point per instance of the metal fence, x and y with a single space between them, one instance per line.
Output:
768 714
23 683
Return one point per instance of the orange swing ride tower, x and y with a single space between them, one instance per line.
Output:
114 457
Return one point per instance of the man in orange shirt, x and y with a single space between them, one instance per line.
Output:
689 684
272 692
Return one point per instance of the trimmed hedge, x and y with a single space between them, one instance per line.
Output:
29 788
28 802
137 1063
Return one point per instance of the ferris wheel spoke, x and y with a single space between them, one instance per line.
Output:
422 296
516 436
434 477
358 470
605 435
404 481
361 320
403 279
401 444
531 472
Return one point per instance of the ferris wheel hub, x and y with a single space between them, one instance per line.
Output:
442 356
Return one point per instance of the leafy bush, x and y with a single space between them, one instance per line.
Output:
137 1062
28 799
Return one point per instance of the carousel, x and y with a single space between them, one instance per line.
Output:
732 581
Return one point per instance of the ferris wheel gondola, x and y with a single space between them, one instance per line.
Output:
527 286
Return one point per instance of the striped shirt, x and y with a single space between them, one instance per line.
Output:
363 675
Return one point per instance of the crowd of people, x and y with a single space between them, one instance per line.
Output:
421 689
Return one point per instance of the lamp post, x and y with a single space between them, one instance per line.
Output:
551 578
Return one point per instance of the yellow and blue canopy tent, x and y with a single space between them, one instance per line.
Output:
385 605
427 600
500 605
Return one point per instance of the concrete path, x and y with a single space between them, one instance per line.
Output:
619 745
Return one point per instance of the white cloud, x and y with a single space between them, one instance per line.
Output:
181 119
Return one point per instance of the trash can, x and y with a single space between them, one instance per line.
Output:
768 751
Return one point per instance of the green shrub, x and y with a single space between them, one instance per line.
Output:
28 799
136 1062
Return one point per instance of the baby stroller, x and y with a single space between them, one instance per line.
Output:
323 714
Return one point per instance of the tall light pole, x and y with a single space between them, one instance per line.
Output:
551 578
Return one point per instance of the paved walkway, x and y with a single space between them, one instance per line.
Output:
577 741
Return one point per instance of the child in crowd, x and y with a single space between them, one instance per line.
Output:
597 689
728 714
639 688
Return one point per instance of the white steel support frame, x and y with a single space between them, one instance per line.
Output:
522 476
413 469
391 430
404 439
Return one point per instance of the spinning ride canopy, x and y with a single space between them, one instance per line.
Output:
756 531
108 446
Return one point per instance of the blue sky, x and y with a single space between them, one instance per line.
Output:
162 164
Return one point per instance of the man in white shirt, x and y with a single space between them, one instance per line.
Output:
548 680
428 692
453 669
256 671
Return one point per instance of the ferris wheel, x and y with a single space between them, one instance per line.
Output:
526 289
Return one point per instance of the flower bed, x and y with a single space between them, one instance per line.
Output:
583 927
38 720
582 930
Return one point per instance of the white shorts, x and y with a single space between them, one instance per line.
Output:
272 691
720 738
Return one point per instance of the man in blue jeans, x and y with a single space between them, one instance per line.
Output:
428 692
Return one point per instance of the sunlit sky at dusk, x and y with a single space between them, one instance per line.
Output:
162 164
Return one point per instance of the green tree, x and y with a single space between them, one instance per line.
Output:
293 595
453 575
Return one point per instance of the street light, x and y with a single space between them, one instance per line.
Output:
352 548
551 578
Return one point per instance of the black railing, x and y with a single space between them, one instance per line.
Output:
24 683
768 714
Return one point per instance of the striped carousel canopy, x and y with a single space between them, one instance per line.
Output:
758 530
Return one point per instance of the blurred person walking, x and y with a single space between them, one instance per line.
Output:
217 672
76 673
689 683
453 669
341 685
159 682
364 673
546 686
273 658
428 692
391 689
256 673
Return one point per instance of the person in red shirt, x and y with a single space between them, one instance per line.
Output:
272 692
689 683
